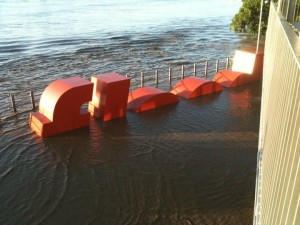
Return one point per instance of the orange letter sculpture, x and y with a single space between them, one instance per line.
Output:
109 96
247 67
146 98
60 107
192 87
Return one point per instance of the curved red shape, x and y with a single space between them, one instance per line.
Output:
230 79
60 107
192 87
147 98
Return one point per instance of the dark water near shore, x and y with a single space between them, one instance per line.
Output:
190 163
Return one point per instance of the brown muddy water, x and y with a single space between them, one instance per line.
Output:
189 163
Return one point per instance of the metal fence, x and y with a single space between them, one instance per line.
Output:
165 78
278 178
17 102
290 9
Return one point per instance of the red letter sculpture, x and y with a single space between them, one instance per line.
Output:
109 96
60 107
247 67
146 98
192 87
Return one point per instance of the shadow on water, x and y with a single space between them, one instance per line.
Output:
189 163
98 144
159 114
204 100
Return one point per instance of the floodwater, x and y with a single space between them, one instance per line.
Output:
189 163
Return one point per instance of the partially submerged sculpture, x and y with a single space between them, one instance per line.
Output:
60 107
247 67
146 98
110 96
192 87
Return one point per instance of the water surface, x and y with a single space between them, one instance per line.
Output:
189 163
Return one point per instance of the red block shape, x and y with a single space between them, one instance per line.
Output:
60 107
146 98
253 69
109 96
192 87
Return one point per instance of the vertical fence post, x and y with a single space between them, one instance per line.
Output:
13 103
195 70
142 79
182 72
217 66
206 69
156 78
32 99
227 63
170 76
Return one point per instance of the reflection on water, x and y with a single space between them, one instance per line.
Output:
190 163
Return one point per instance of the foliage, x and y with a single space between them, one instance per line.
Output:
247 19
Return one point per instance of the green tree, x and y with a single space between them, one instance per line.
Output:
247 19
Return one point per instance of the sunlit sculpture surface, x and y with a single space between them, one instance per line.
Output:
60 107
110 96
147 98
247 67
191 87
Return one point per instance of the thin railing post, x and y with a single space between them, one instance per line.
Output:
170 76
13 103
227 63
156 78
217 66
182 72
195 70
206 69
32 99
142 79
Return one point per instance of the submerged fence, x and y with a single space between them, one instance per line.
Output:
163 78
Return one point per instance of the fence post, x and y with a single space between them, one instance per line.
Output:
170 76
156 78
227 63
195 70
182 72
206 69
32 99
142 79
13 103
217 66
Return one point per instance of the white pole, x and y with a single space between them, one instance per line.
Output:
259 26
279 6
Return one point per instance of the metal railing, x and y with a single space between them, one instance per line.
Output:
165 77
19 102
277 181
28 100
290 9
